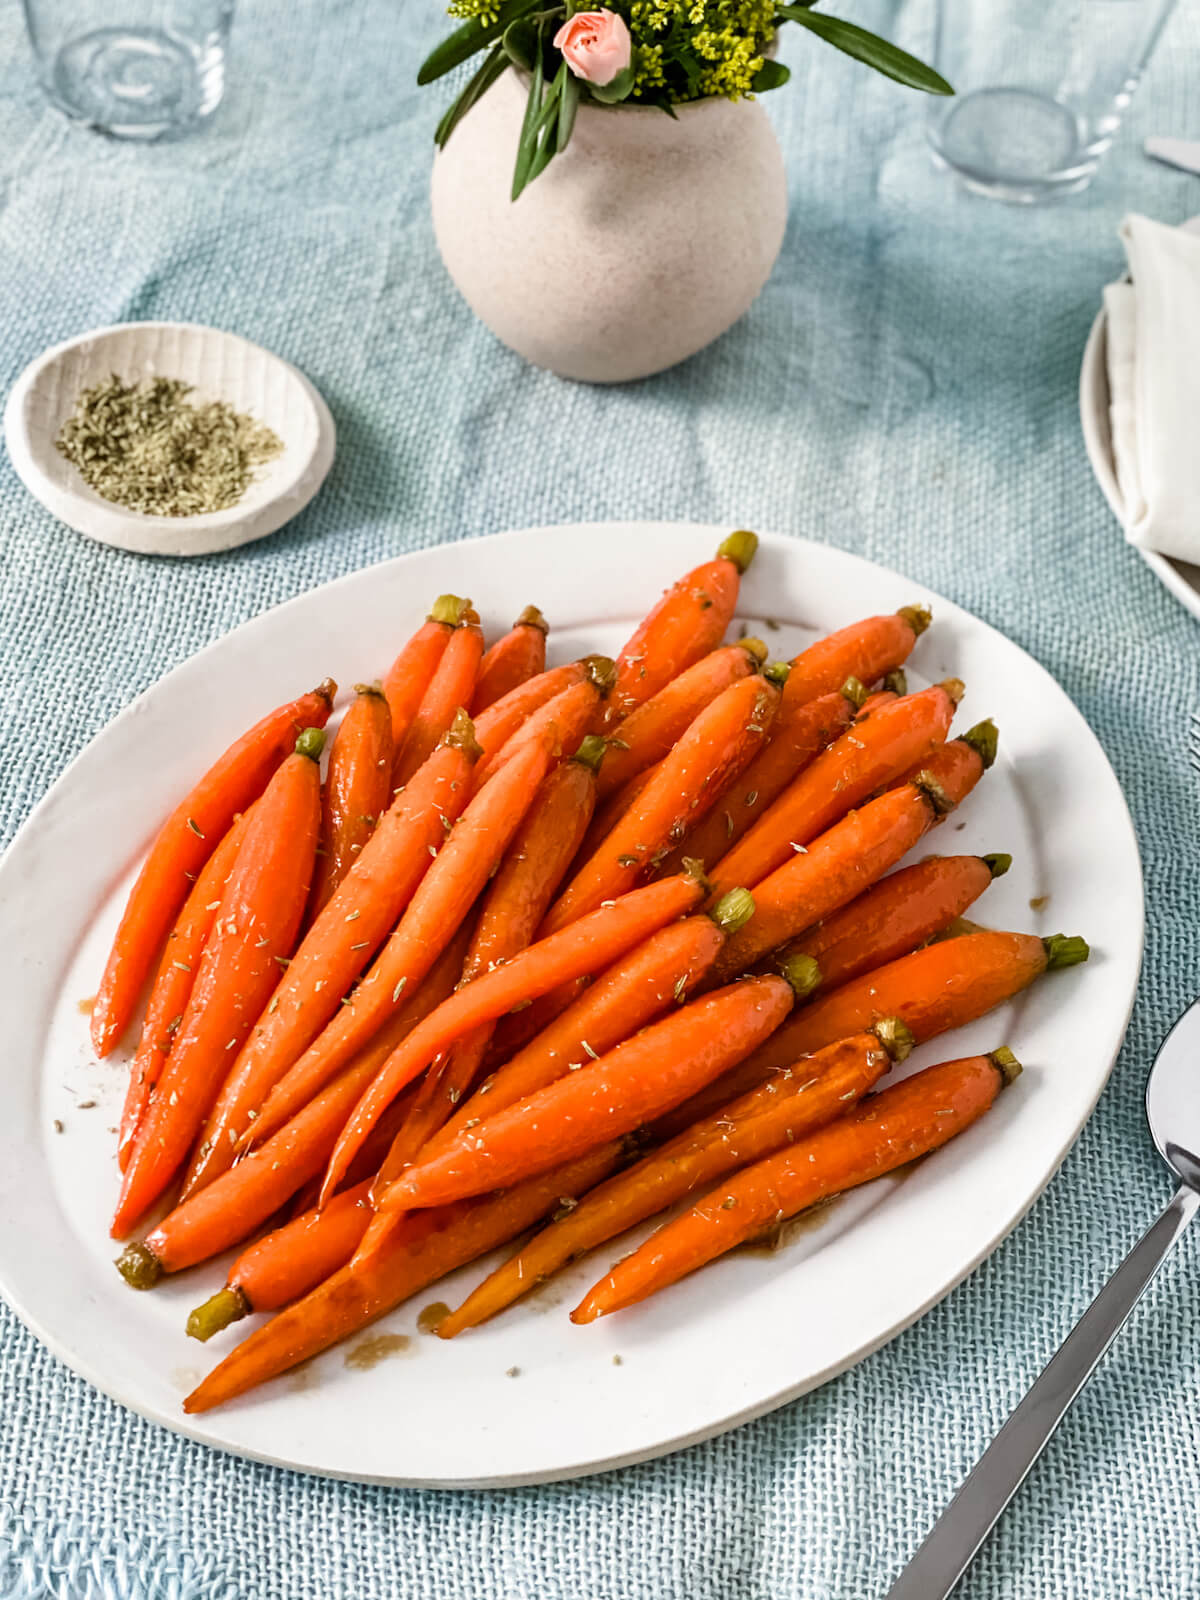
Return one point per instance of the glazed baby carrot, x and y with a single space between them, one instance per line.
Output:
719 744
412 671
846 859
865 650
511 661
287 1262
532 869
889 1130
640 1079
649 733
425 1249
568 716
787 1107
451 687
655 976
446 894
797 737
614 808
589 945
688 622
900 913
173 983
496 726
340 944
358 790
868 756
188 837
254 931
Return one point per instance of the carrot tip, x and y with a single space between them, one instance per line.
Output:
954 687
740 548
895 1036
1006 1064
217 1312
531 617
998 863
461 734
591 752
1065 950
375 688
802 972
778 672
601 672
139 1266
896 681
756 649
733 910
855 691
310 743
694 868
933 791
327 689
983 738
449 608
917 617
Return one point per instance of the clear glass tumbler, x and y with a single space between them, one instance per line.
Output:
136 69
1041 86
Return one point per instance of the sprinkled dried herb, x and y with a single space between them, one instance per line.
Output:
146 447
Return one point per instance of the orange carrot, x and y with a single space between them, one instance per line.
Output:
589 945
531 871
867 757
797 737
650 732
188 837
287 1262
496 726
427 1248
254 931
640 1079
339 945
857 851
173 983
511 661
902 911
787 1107
720 742
654 977
614 808
358 789
932 991
450 688
412 671
889 1130
865 650
688 622
568 715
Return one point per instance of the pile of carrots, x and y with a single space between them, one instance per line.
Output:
563 948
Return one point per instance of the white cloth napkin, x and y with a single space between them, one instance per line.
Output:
1154 387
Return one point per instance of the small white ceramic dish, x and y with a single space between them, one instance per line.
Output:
739 1338
219 366
1180 577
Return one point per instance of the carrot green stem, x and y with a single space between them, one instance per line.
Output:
217 1312
369 688
1065 950
139 1266
733 910
917 617
449 608
591 752
954 687
983 739
739 548
754 648
896 681
998 863
531 617
602 672
695 869
895 1036
855 691
778 673
461 734
1006 1064
802 972
310 743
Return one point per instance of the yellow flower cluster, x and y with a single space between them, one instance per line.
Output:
486 10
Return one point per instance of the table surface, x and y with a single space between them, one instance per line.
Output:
905 388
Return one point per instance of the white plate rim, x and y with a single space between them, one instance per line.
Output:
1123 844
1097 441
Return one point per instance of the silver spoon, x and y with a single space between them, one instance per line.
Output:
1173 1112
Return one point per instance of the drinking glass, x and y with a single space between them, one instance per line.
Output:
1041 86
136 69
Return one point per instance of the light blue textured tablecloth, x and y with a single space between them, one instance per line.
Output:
905 388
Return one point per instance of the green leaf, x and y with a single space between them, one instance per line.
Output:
567 107
611 94
494 67
521 42
771 75
525 147
869 48
473 36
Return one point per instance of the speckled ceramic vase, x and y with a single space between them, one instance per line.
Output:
638 246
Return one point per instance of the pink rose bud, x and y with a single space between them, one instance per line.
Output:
595 45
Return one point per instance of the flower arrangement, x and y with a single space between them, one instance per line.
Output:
660 53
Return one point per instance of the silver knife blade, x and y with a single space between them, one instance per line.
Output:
1182 153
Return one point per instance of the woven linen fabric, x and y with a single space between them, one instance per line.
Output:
905 388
